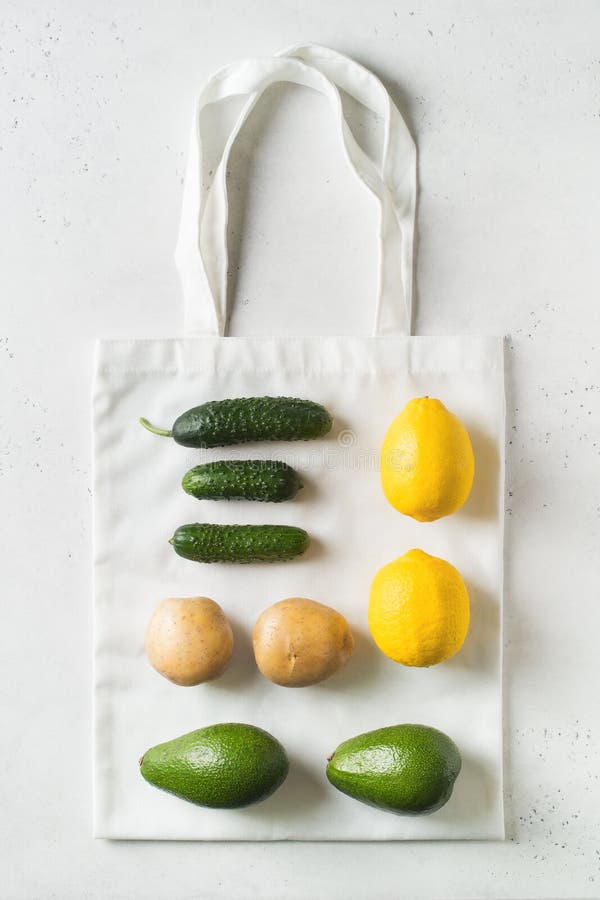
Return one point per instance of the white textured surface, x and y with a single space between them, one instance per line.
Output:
354 531
504 101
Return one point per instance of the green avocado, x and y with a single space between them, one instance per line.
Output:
406 769
223 766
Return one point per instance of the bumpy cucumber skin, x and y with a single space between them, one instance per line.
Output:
246 479
221 422
203 542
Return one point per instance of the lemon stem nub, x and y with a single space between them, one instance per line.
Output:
161 431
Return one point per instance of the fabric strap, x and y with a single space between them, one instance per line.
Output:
201 252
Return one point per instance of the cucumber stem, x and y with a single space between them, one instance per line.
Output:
161 431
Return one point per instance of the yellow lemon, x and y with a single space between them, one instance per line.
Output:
418 609
427 463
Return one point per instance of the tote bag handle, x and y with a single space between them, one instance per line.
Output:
201 253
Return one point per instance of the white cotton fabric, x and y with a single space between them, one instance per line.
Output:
138 503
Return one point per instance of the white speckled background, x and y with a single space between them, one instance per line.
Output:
504 100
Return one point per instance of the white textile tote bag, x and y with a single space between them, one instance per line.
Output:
364 382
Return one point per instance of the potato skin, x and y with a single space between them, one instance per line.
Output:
189 640
298 642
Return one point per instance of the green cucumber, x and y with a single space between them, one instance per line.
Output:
221 422
246 479
239 543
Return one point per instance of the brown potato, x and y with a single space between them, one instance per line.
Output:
298 642
189 640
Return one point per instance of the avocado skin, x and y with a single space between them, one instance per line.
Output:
221 422
224 766
247 479
405 769
205 542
